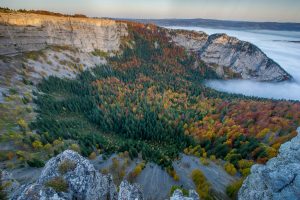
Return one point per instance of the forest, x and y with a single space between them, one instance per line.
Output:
150 99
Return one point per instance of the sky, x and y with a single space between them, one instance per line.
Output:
245 10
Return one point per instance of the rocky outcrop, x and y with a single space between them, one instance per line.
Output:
9 184
21 32
178 195
70 176
222 52
129 192
279 179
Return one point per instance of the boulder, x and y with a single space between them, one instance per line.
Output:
177 195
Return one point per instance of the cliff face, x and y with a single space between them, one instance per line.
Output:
278 179
221 51
20 32
23 32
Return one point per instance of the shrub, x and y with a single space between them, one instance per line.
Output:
104 171
99 53
204 161
230 169
66 166
92 156
136 171
22 124
75 147
37 145
213 158
58 184
185 192
35 163
10 155
202 185
232 189
173 174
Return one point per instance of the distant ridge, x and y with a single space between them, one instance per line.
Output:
212 23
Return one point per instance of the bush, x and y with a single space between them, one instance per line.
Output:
75 147
66 166
232 189
58 184
104 171
92 156
230 169
204 161
136 171
99 53
202 185
173 174
185 192
35 163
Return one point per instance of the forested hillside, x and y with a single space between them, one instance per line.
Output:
151 99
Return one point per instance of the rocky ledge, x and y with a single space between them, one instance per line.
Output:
178 195
70 176
278 179
229 56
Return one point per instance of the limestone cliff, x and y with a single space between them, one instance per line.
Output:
21 32
278 179
222 52
228 56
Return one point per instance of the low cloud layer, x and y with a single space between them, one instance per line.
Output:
286 90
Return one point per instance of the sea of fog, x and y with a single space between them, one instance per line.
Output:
282 46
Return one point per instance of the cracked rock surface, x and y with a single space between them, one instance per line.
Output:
278 179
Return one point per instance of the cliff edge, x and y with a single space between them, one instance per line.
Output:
278 179
22 32
70 176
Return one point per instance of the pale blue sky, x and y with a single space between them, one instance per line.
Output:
252 10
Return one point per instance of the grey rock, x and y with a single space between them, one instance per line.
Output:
130 192
11 184
83 181
177 195
278 179
221 51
